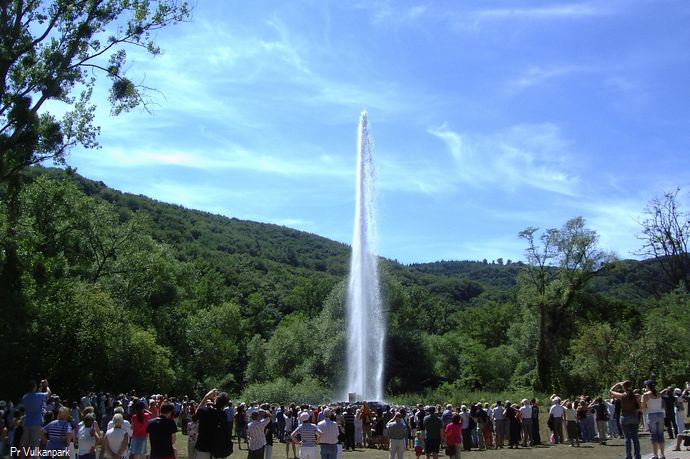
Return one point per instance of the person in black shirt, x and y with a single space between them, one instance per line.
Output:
161 432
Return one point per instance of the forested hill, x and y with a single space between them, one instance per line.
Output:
119 291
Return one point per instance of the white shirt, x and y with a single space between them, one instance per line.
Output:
556 411
126 426
257 436
526 412
328 432
114 438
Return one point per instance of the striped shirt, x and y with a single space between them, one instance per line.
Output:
255 431
308 433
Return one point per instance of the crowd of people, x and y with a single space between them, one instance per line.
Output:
126 425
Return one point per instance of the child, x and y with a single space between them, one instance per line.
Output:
418 450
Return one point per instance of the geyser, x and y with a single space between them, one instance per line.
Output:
365 322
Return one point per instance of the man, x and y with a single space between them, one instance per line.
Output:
349 421
556 414
162 432
256 432
397 434
499 418
433 428
328 436
34 401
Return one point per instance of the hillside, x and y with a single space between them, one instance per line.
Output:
178 299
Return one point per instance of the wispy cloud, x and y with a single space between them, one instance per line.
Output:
554 11
525 155
537 75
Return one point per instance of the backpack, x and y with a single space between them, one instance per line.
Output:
222 442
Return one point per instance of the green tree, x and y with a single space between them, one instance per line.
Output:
666 237
51 51
560 264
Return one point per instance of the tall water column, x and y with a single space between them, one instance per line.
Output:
365 324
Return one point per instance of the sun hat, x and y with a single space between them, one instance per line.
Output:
304 416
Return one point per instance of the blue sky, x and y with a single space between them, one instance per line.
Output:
487 117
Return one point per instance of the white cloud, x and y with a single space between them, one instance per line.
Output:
554 11
525 155
537 75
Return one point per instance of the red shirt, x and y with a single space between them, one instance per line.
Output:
139 428
454 433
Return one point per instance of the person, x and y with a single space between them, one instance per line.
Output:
88 437
499 423
601 411
556 419
652 404
192 435
453 434
433 430
241 424
366 416
116 439
630 408
328 435
418 443
211 416
305 434
256 433
57 434
291 423
513 417
680 412
349 424
571 423
536 437
359 429
397 436
139 421
34 401
268 431
161 431
526 416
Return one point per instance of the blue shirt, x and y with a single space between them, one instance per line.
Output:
33 406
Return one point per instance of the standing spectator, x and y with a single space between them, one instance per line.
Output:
140 420
256 433
241 424
499 418
349 424
652 403
328 436
453 433
630 408
58 434
526 416
291 424
211 416
513 416
161 431
601 413
680 412
556 413
366 417
669 403
536 436
88 437
397 436
572 425
192 435
34 401
268 432
307 433
116 439
280 423
359 429
433 430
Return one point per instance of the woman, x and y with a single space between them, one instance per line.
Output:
453 433
359 429
653 404
140 420
58 434
290 426
116 439
630 408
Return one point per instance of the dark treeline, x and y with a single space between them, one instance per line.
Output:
119 292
